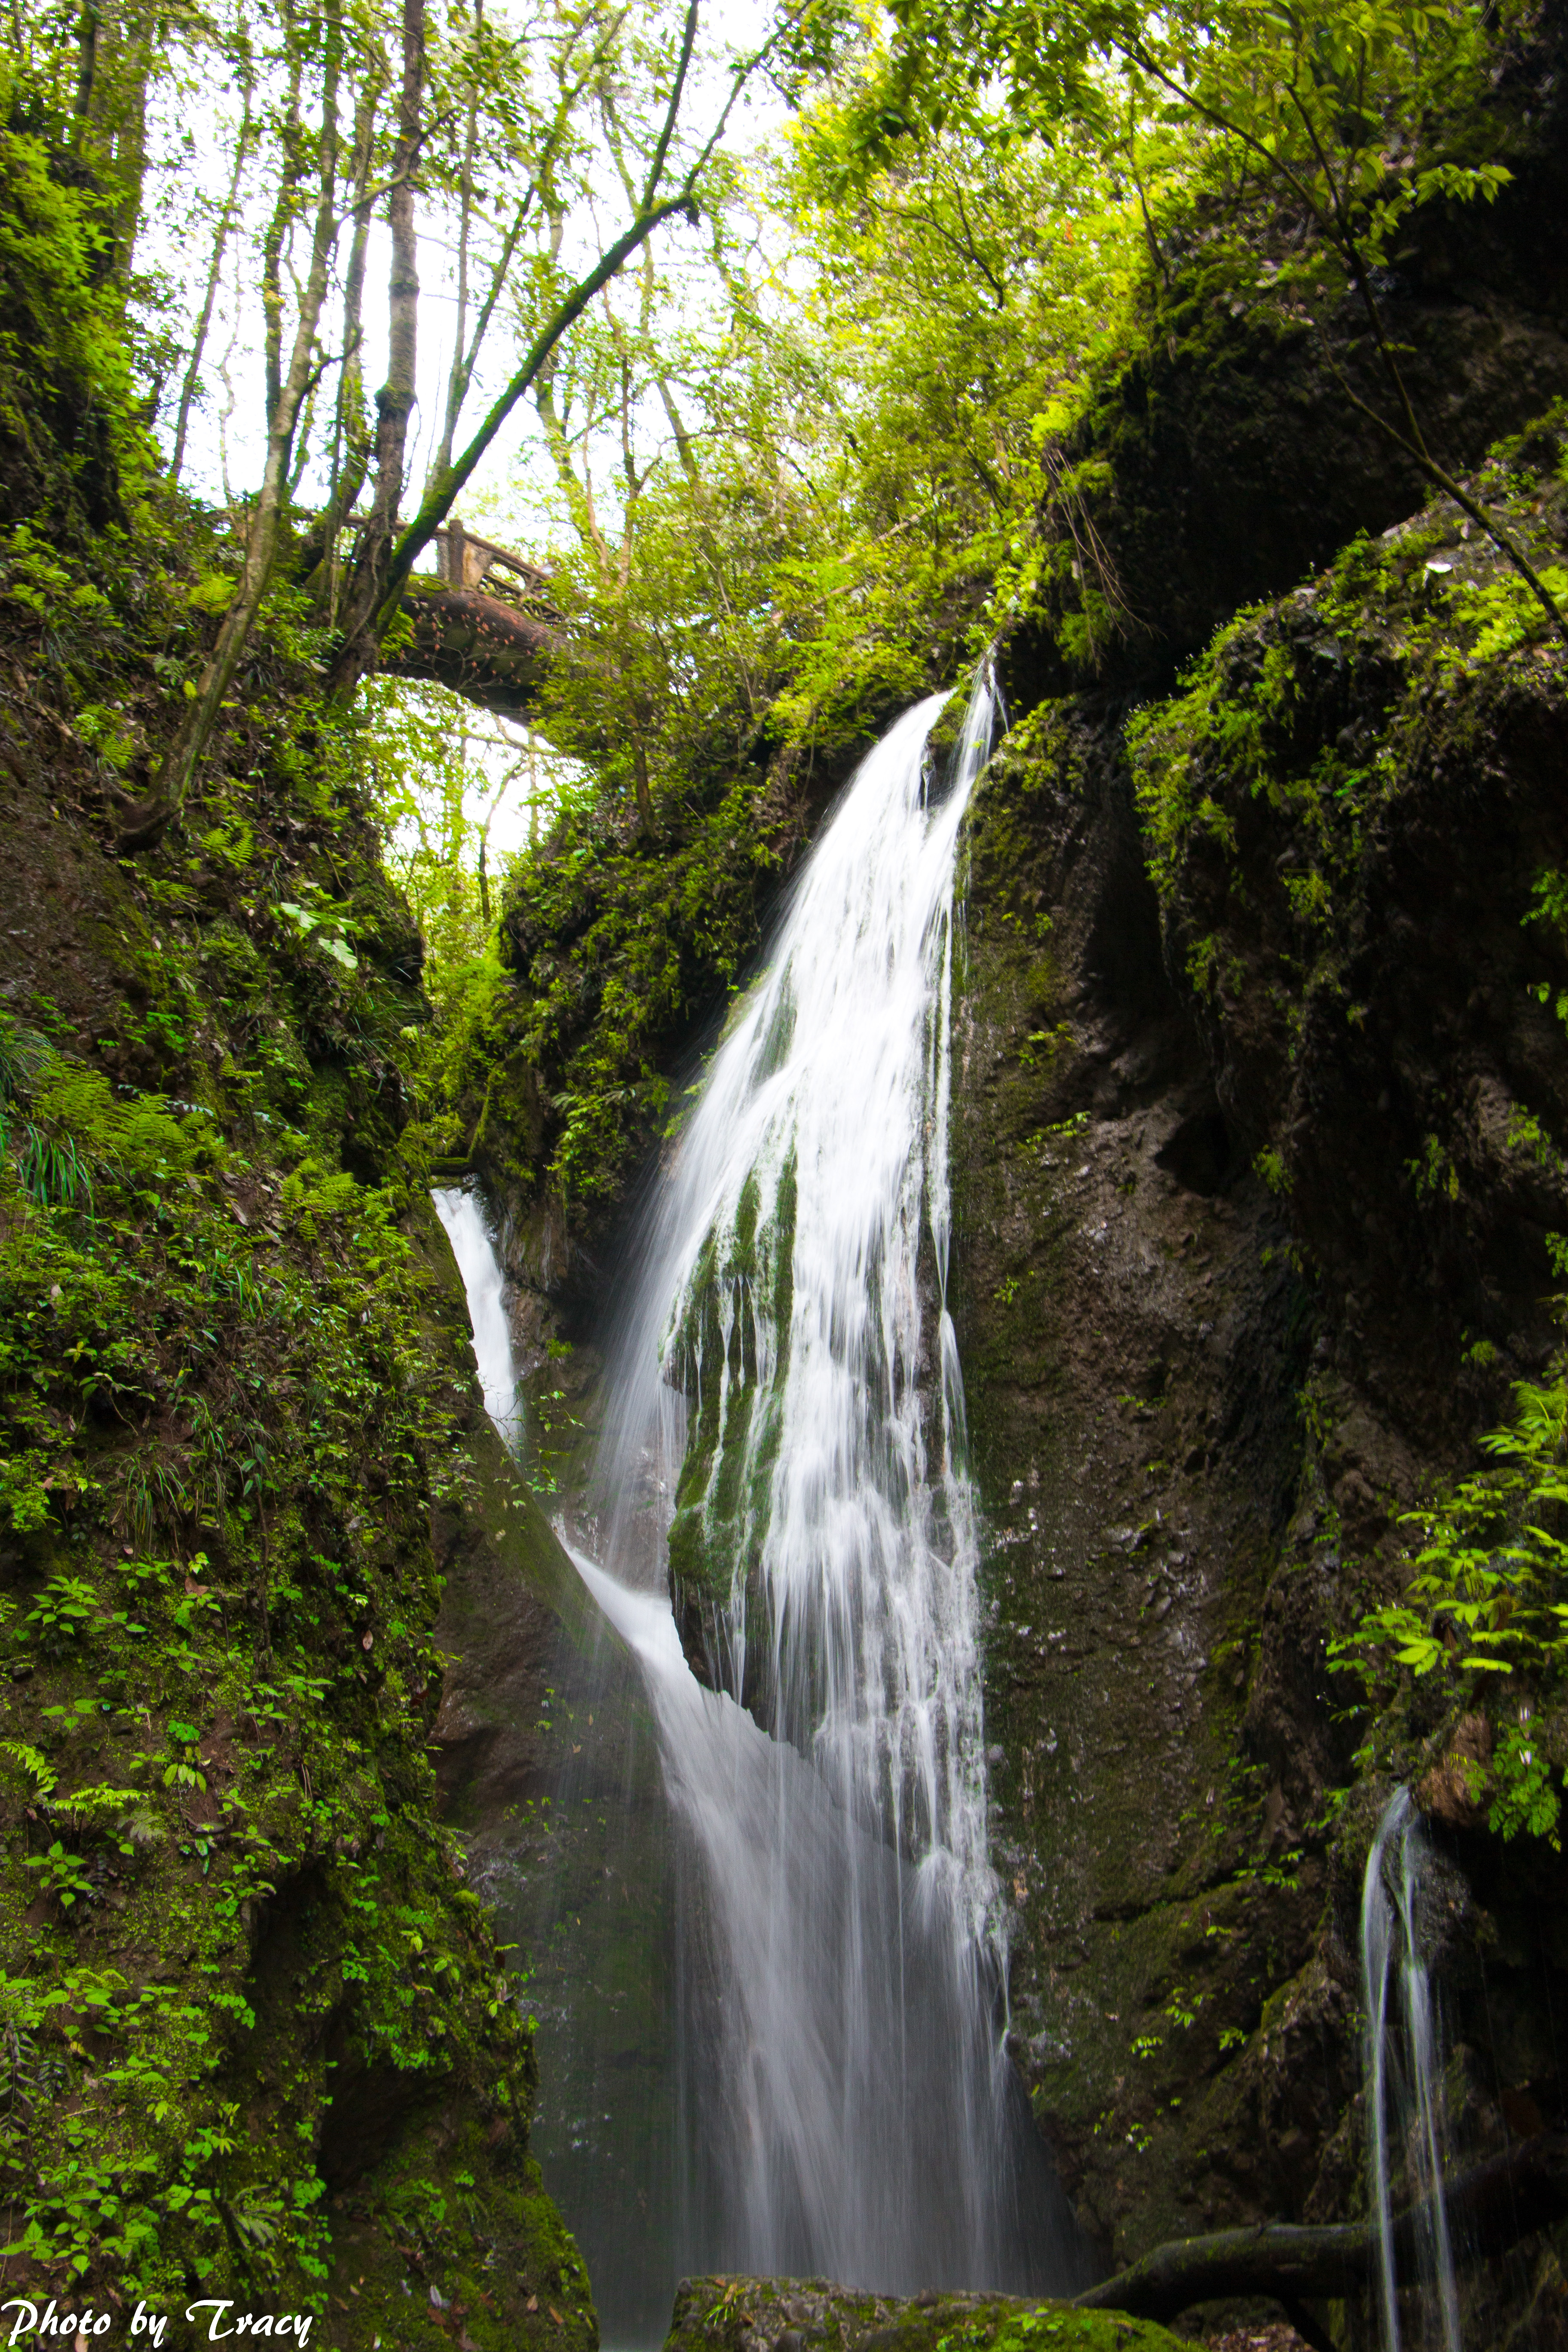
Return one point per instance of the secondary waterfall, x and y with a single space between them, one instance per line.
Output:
472 1247
787 1390
1403 2071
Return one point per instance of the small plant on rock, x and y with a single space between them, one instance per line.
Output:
64 1875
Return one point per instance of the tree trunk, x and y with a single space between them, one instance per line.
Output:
358 651
215 273
277 232
1489 2209
359 648
456 375
147 822
351 440
86 70
114 64
395 400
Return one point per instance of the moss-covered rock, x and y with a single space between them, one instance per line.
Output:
743 2315
1229 446
730 1355
1352 815
66 432
1257 1148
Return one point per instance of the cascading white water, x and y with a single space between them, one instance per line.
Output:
848 2106
1404 2073
463 1219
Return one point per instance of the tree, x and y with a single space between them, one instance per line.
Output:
774 518
530 98
287 383
1338 107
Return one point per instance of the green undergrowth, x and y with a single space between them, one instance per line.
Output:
1428 614
1482 1620
250 2015
70 433
614 949
222 1420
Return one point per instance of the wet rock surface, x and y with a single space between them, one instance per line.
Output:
1219 1330
1131 1333
547 1769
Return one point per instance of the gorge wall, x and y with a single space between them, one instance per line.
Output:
258 2039
1220 1329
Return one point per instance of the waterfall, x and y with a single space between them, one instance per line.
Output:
1404 2069
483 1281
784 1448
786 1387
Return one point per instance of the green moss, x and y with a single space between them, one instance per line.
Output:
715 2315
613 951
234 1702
730 1351
1410 622
419 2244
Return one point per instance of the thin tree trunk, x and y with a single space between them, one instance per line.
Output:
215 273
578 494
350 433
181 761
389 576
359 650
122 125
276 233
464 356
86 72
456 377
395 400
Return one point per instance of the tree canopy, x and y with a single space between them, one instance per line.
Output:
787 405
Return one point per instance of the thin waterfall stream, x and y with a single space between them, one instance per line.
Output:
784 1447
483 1284
1404 2070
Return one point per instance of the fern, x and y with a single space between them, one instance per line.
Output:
44 1777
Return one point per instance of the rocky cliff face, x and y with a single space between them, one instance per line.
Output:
1258 1144
1132 1335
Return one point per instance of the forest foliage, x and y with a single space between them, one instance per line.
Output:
795 416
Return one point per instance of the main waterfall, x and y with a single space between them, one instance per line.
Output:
786 1392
